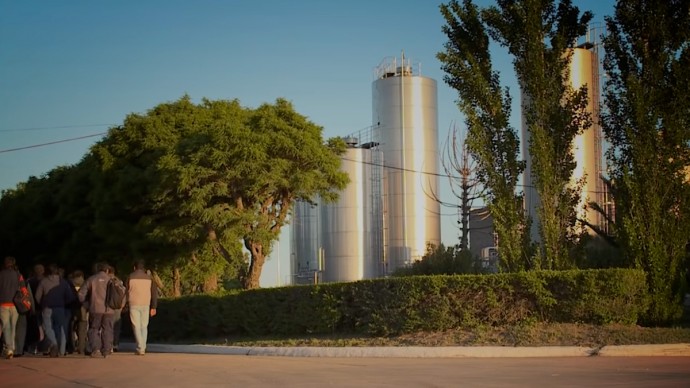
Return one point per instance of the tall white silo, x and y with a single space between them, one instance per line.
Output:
348 226
586 147
405 121
584 70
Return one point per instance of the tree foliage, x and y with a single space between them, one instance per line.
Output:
215 173
648 126
201 191
47 220
540 36
442 260
493 143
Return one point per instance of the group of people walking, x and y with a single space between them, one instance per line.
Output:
70 315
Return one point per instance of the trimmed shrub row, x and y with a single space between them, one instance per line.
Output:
392 306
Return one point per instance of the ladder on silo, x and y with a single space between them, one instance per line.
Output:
377 202
600 195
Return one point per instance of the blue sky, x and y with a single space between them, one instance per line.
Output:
72 68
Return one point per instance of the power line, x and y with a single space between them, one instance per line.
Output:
440 175
343 158
56 127
396 168
52 142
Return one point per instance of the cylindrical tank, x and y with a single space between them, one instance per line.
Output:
306 241
586 147
584 70
531 199
347 226
405 119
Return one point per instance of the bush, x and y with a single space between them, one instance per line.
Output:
384 307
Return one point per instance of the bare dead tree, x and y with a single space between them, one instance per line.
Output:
461 172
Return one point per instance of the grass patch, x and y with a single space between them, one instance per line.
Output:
529 334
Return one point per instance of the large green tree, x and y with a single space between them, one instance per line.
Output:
647 123
81 245
34 223
540 34
125 185
216 173
493 143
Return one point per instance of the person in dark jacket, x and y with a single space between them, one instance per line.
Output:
80 314
117 314
10 281
53 295
35 338
100 315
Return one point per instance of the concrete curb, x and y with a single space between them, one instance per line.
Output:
425 351
645 350
422 351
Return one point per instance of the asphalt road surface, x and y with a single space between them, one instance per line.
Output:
202 370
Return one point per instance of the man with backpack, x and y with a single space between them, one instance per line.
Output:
10 281
100 331
116 298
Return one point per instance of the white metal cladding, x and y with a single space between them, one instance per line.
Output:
584 66
305 226
405 115
347 227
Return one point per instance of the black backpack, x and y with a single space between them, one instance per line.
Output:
115 294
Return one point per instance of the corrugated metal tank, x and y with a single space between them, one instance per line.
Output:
584 69
405 119
306 241
348 227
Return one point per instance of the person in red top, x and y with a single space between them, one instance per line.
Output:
10 281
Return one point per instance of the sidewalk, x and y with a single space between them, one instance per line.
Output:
425 351
409 370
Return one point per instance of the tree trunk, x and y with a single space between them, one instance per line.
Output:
217 246
162 291
251 280
177 282
465 216
210 283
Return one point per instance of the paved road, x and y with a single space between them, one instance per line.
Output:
202 370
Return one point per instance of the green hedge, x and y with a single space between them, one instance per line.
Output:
383 307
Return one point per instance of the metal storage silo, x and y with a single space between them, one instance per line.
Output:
305 255
584 70
405 117
348 225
